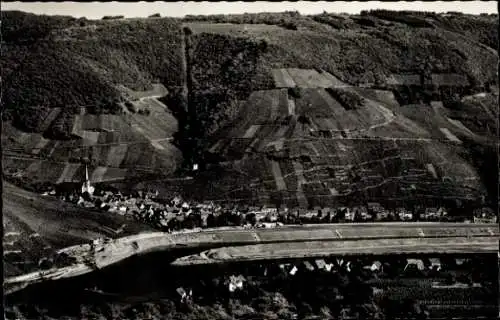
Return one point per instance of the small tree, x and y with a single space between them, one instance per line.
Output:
131 107
357 216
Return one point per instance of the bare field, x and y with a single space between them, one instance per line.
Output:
278 176
54 112
90 138
450 136
98 174
113 174
69 172
107 122
282 78
404 79
460 125
40 146
383 97
158 90
433 120
304 78
116 154
151 128
251 131
77 125
230 28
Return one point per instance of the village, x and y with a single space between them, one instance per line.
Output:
176 214
438 274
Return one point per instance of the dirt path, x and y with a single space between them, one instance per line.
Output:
186 65
278 176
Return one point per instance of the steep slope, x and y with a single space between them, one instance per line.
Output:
249 92
303 147
81 93
87 58
36 227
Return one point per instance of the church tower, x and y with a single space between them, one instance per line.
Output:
87 187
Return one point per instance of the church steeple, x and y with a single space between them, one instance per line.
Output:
86 187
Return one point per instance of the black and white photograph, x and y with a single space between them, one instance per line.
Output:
250 160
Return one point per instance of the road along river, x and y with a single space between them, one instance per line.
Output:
106 252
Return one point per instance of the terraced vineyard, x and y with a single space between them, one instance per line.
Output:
112 143
368 165
275 108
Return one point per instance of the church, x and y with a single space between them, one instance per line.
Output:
86 187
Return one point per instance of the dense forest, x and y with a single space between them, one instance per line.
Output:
71 63
88 59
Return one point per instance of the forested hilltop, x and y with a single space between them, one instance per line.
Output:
56 61
215 69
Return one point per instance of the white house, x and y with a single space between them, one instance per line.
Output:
435 263
329 267
418 263
236 283
375 266
320 263
183 294
308 265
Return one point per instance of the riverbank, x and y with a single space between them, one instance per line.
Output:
103 253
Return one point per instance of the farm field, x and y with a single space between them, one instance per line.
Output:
442 124
304 78
230 28
404 79
450 136
103 139
379 150
52 115
160 124
468 311
282 78
332 171
158 90
463 295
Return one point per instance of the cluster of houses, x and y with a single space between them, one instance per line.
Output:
374 266
235 283
175 213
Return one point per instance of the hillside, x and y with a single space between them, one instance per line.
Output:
36 227
277 107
